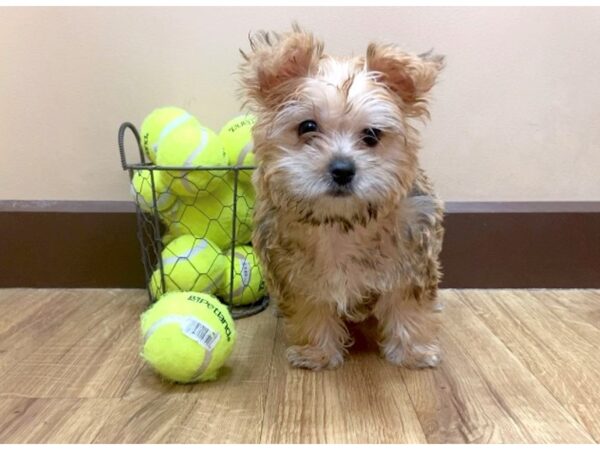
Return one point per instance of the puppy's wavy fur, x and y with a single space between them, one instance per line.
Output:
372 252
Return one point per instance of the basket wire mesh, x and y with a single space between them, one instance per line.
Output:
171 206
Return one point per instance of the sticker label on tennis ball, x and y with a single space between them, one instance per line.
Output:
245 272
227 330
201 333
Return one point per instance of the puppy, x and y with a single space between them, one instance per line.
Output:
347 225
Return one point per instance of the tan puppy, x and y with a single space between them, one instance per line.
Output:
347 225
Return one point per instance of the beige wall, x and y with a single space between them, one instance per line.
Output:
515 117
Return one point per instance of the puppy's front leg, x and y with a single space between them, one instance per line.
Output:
408 326
318 335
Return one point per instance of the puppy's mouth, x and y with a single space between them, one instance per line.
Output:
340 191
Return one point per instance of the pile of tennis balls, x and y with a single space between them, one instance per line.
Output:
197 206
188 333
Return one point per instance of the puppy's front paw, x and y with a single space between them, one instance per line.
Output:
313 358
417 357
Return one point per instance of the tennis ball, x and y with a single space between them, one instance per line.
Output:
168 237
159 124
141 189
187 336
211 217
248 284
189 264
236 136
193 145
246 202
244 212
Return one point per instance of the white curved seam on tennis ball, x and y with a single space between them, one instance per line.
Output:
167 320
174 123
202 367
171 215
244 152
187 184
245 283
191 253
162 200
212 287
201 146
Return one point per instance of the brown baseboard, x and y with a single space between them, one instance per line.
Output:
69 244
522 245
487 245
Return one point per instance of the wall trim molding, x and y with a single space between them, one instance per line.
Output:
67 206
119 206
522 207
93 244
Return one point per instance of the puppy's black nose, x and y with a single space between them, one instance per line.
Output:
342 171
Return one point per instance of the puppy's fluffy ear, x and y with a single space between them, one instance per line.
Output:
408 76
275 62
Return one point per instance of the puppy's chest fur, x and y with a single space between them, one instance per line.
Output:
346 267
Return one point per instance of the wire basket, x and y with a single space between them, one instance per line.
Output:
189 204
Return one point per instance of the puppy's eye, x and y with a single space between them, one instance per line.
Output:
308 126
370 136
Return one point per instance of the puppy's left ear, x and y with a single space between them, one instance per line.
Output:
409 76
275 63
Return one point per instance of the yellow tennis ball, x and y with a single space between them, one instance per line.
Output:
187 336
160 123
211 217
248 285
236 136
193 145
246 202
141 189
168 237
244 212
189 264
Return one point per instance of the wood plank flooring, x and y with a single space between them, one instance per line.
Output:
519 367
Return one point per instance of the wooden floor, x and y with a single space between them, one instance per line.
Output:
519 366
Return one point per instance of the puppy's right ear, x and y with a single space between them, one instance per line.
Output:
275 64
409 76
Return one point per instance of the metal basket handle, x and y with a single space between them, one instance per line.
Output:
124 126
